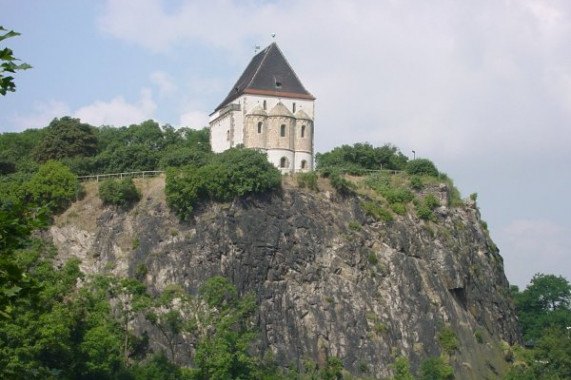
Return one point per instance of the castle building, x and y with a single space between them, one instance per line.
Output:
270 110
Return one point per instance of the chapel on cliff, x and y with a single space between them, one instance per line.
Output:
268 109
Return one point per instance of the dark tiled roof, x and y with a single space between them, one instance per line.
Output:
268 73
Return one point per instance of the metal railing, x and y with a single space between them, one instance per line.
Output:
142 174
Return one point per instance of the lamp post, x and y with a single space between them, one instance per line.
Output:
413 155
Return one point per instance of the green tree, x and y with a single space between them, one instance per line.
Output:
119 192
421 166
233 173
8 63
544 303
54 185
167 314
66 137
401 369
435 368
16 225
16 148
222 353
333 369
360 157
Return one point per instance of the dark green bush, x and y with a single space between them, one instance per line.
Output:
398 208
435 368
377 211
424 209
421 166
431 202
119 192
343 186
416 182
54 185
307 180
230 174
448 340
359 158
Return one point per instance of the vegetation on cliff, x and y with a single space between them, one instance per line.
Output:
230 174
60 323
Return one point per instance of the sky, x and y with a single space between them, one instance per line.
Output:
481 88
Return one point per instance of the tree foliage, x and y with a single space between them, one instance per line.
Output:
435 368
119 192
54 185
545 303
8 63
545 316
222 353
230 174
66 137
360 157
421 166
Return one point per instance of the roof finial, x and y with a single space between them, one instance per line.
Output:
256 48
273 36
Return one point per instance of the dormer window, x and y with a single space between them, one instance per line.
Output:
283 130
277 82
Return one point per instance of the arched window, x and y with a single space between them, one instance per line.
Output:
303 131
293 107
265 105
283 130
260 127
303 164
283 162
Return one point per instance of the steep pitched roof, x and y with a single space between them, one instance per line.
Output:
268 73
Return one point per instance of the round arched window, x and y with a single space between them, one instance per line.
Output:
283 130
260 124
283 162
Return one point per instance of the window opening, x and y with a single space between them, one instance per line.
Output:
293 108
303 164
303 131
260 127
283 162
283 130
265 105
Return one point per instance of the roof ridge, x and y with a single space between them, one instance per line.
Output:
290 66
265 52
268 73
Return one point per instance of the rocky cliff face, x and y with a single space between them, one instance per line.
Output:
329 280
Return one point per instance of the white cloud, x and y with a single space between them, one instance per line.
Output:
194 119
164 82
150 24
41 116
118 111
536 246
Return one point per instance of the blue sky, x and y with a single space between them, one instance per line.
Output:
481 88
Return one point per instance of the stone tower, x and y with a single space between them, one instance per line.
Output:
270 110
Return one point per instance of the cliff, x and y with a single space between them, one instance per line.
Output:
329 280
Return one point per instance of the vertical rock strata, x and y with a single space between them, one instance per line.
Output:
329 280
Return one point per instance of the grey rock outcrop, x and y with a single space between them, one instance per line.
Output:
329 280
